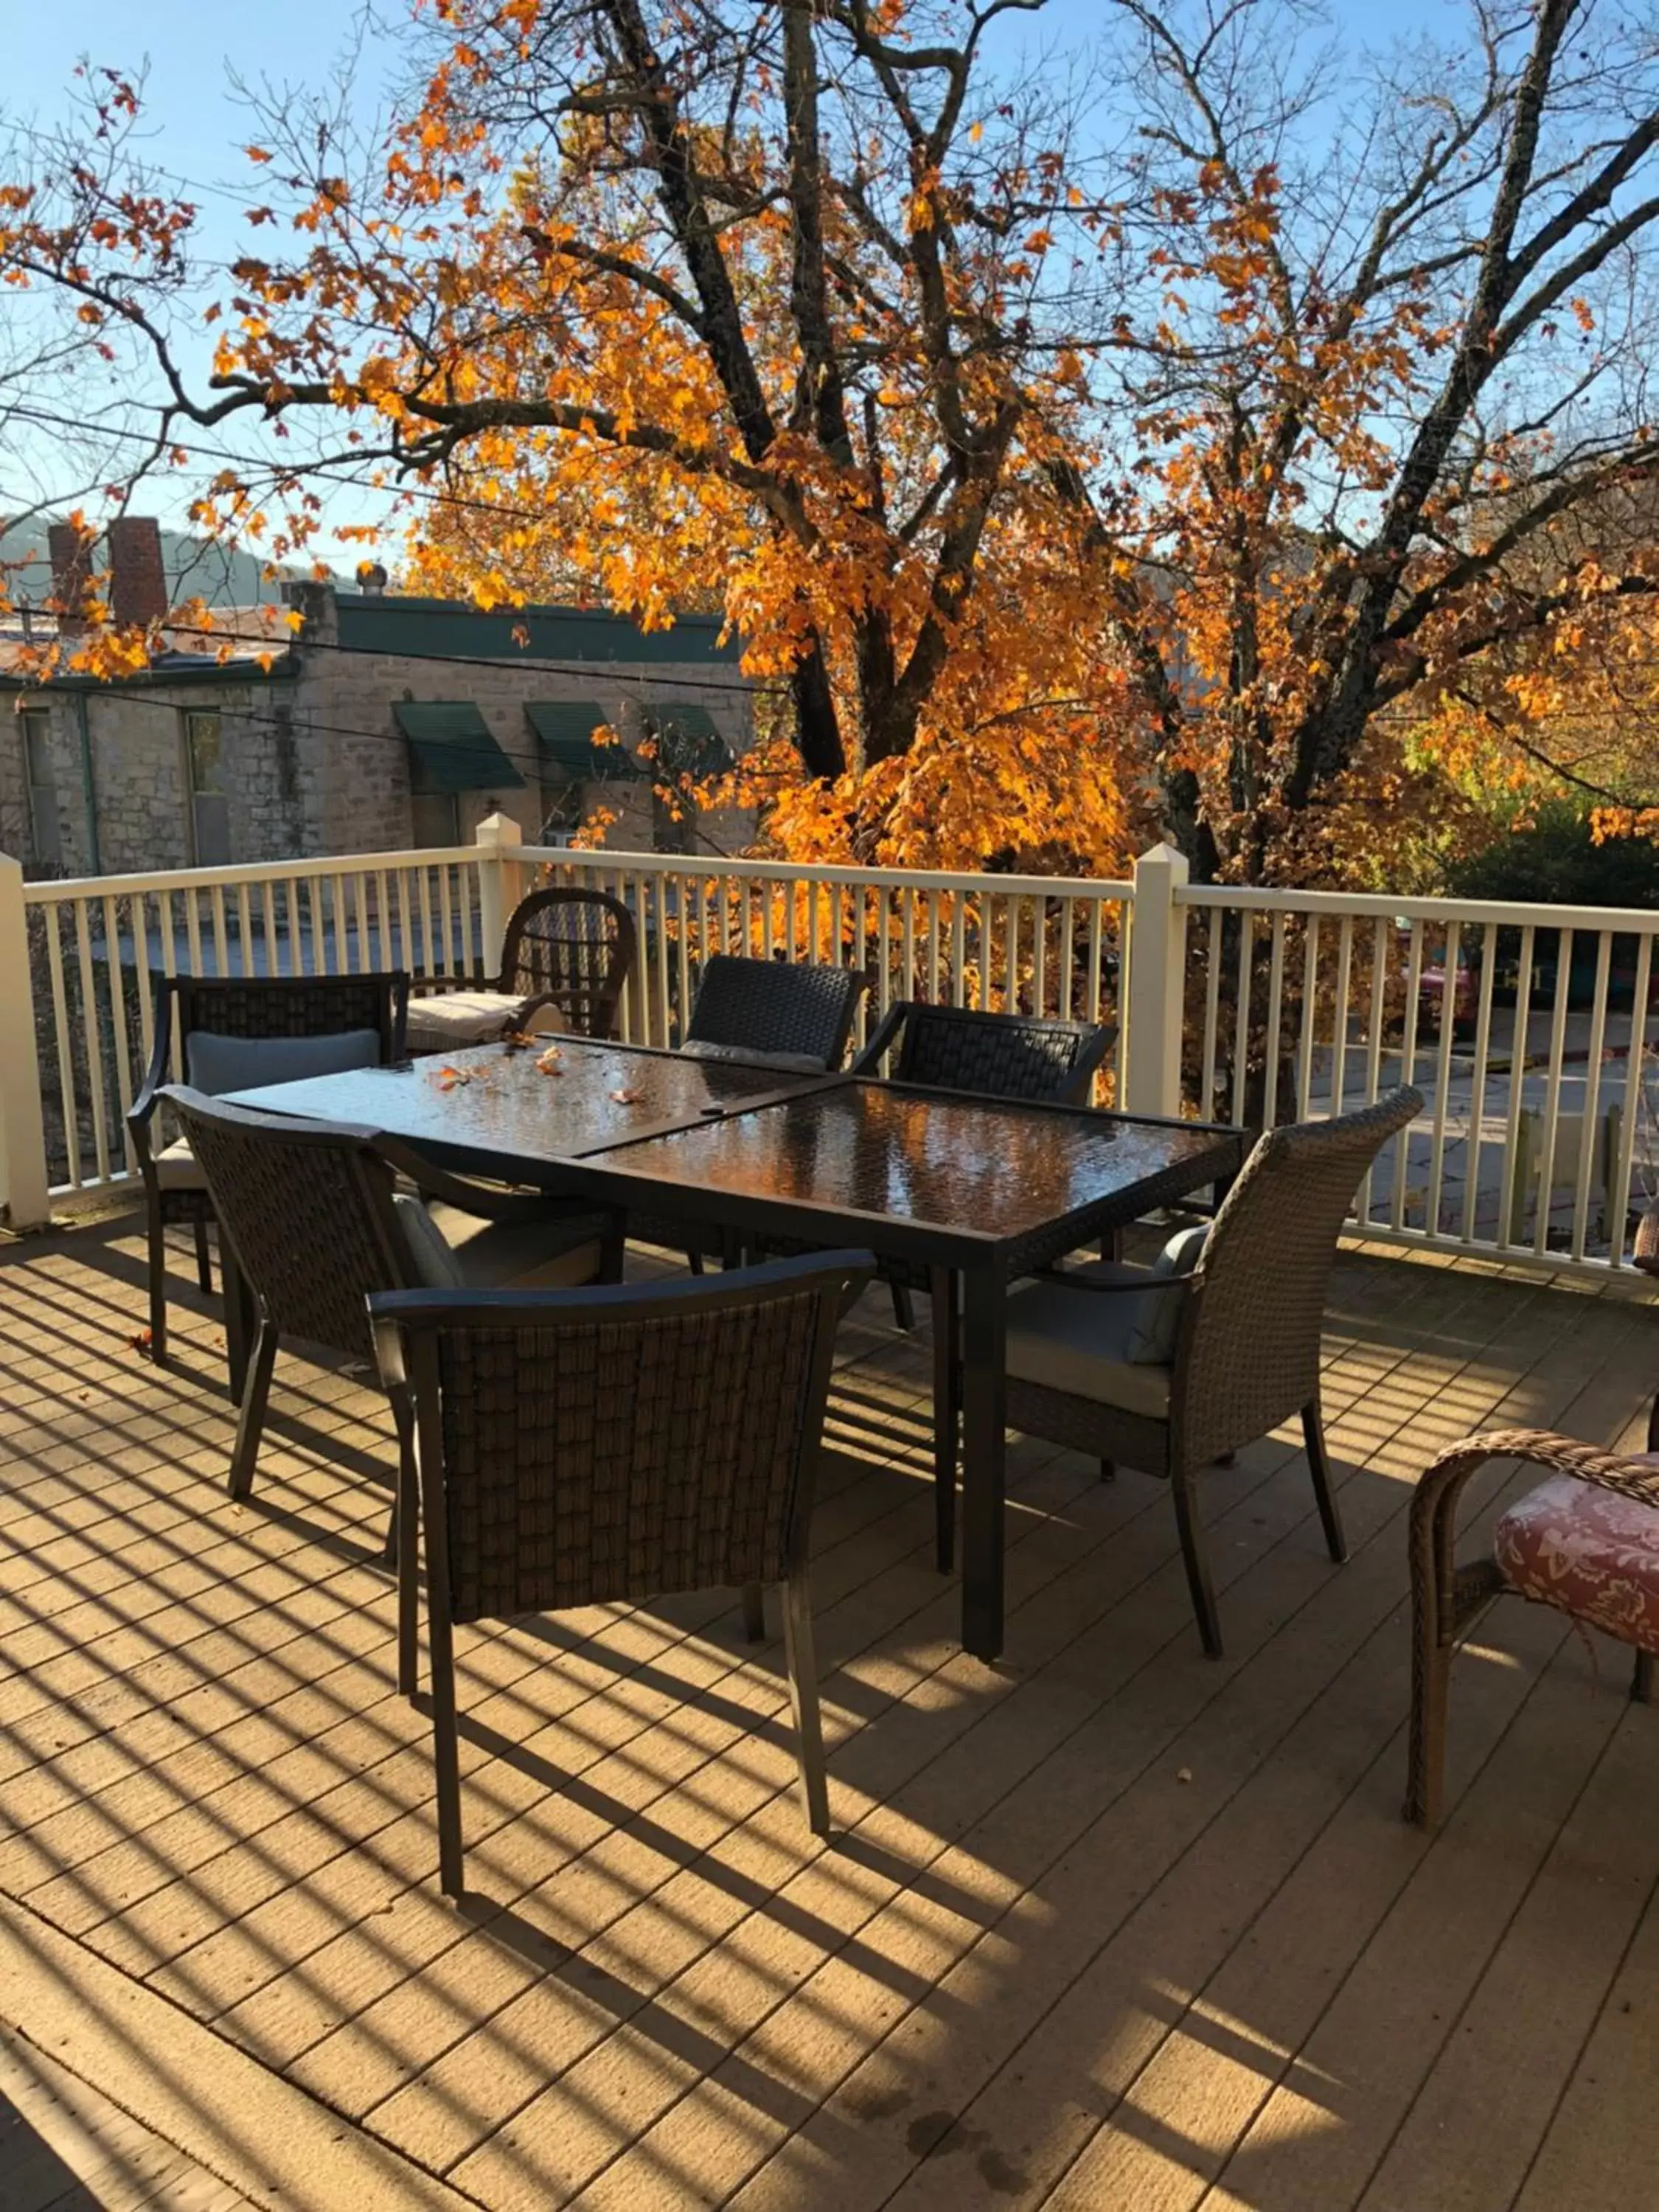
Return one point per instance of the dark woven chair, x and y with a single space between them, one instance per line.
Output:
311 1024
616 1446
1170 1373
314 1220
1586 1542
1000 1056
571 950
791 1015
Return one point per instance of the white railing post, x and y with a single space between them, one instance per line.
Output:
499 887
1157 972
23 1178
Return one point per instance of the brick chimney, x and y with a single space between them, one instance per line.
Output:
71 575
138 583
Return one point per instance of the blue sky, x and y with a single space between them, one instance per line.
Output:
196 126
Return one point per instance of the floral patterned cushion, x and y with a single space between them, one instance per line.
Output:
1592 1552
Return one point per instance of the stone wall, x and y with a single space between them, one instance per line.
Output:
313 761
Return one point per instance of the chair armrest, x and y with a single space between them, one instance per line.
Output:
1434 1502
876 1047
1145 1281
490 1201
142 1112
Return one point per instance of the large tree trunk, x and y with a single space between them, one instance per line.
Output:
817 730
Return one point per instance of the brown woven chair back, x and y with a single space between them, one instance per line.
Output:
999 1055
776 1006
283 1006
1249 1353
307 1208
624 1442
577 948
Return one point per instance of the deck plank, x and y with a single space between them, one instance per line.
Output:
1105 1923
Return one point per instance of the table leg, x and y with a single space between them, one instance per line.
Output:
947 1385
984 1329
239 1317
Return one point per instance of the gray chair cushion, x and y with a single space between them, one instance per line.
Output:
218 1065
1077 1341
1152 1341
792 1063
177 1167
452 1250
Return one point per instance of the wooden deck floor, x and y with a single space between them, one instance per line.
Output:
1107 1925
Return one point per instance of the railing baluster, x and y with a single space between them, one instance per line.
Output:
405 953
1212 1016
1635 1104
1374 1050
365 960
1241 1013
1477 1084
193 932
118 1013
684 882
1340 1014
1275 1018
1039 956
1310 1018
1512 1186
465 885
428 966
91 1039
221 947
1403 1143
1553 1090
244 929
68 1091
1442 1079
1588 1145
141 969
268 927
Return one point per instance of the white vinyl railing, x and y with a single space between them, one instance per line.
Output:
1526 1029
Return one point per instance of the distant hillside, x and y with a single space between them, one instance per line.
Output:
196 569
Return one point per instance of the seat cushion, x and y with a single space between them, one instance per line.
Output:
218 1063
177 1167
1152 1341
1593 1553
791 1063
453 1250
455 1019
1078 1342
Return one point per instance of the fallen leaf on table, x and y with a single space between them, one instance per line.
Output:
142 1344
452 1078
549 1063
518 1039
626 1097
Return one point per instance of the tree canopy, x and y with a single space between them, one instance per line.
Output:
1215 432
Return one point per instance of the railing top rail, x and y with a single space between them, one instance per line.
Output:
819 872
1623 921
66 891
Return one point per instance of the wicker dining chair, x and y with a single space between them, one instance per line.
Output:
790 1014
1172 1368
616 1446
236 1033
998 1055
1585 1541
569 950
315 1221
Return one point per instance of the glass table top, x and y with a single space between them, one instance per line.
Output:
489 1100
999 1171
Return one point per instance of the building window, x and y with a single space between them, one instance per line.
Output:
46 839
209 812
436 819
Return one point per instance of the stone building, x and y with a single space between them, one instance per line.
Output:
383 723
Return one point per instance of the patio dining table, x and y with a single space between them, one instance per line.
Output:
976 1190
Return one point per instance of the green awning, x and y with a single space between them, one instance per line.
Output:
689 743
564 731
451 747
